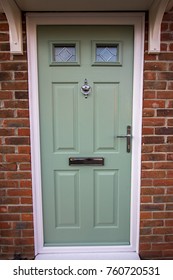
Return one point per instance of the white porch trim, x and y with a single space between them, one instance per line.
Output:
156 13
137 20
14 18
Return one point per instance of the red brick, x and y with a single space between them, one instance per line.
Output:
170 174
170 157
165 94
4 46
169 238
6 132
168 253
146 199
148 130
2 175
16 123
25 167
170 86
170 139
4 26
166 112
145 231
7 150
4 37
144 246
148 113
164 131
156 65
25 184
162 182
24 150
152 207
147 149
21 76
9 200
169 207
23 113
18 158
145 215
20 209
5 76
19 192
24 132
8 184
14 85
5 225
6 241
6 113
5 95
162 246
28 233
151 254
153 174
168 223
153 157
26 200
27 217
163 199
18 175
163 215
149 94
21 95
151 238
146 182
163 165
17 141
14 66
9 217
149 76
152 191
157 85
164 148
164 230
8 167
16 104
153 140
153 121
154 104
147 165
166 56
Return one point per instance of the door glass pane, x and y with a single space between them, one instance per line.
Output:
106 53
65 53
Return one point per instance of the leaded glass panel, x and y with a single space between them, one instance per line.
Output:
65 53
106 53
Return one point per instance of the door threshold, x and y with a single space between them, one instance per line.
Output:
89 256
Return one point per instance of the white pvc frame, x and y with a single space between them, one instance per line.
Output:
137 20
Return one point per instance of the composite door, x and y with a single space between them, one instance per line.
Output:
85 101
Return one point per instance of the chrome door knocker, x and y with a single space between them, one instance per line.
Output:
86 89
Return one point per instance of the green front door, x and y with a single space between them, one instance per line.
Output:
86 169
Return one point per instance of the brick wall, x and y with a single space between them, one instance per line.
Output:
16 226
156 240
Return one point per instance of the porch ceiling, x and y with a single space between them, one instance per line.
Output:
83 5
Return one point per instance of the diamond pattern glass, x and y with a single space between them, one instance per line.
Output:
65 53
106 53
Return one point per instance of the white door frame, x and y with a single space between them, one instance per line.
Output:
137 20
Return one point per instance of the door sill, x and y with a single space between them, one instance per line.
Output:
89 256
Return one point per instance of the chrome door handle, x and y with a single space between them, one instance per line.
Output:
128 136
